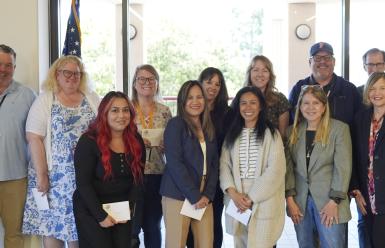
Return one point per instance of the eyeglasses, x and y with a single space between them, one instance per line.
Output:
319 58
376 65
143 80
68 74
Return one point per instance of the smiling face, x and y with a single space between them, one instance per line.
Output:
322 67
376 93
7 68
195 103
374 63
211 88
68 77
118 116
260 75
145 84
312 109
249 108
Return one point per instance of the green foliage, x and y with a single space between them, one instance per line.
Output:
180 56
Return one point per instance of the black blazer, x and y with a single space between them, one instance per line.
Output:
361 131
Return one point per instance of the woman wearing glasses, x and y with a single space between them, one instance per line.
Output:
319 165
260 73
369 153
55 122
151 119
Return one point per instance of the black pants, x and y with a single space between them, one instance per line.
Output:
92 235
375 225
149 214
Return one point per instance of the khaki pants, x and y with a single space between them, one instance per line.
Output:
12 200
177 225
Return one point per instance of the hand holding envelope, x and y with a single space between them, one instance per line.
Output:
119 211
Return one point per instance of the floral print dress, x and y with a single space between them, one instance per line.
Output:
67 125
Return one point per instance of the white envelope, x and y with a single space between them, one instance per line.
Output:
232 210
189 210
40 199
155 136
120 211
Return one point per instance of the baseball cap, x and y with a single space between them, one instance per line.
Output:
321 46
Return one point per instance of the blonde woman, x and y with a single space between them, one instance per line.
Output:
55 122
319 164
260 74
368 186
150 114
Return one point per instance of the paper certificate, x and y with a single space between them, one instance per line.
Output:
232 210
40 199
120 211
189 210
155 136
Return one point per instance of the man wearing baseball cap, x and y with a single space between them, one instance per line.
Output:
344 99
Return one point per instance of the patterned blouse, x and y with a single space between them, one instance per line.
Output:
279 107
154 156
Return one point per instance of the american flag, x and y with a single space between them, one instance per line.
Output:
73 36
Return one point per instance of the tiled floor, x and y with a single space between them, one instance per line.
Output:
288 238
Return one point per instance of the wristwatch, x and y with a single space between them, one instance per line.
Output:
336 199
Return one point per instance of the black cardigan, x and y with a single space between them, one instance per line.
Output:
92 190
359 179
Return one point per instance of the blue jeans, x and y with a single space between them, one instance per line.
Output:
363 236
329 237
149 214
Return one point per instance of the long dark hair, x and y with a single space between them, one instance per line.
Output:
220 102
238 122
205 119
101 132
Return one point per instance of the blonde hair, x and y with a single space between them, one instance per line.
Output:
322 133
51 83
150 69
374 77
270 91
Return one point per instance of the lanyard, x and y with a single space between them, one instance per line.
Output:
2 100
142 119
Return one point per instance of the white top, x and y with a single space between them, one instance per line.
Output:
39 118
203 146
248 153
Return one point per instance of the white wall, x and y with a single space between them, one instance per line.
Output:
23 35
298 65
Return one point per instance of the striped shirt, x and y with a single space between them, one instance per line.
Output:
248 153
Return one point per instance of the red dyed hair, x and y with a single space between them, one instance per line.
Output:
100 130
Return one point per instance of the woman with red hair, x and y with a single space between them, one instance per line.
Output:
109 160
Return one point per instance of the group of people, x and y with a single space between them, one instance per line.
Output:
83 153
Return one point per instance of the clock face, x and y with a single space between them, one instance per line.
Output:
302 31
132 31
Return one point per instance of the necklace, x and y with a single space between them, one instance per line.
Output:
142 118
309 143
309 150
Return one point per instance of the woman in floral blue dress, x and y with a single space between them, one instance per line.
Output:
56 120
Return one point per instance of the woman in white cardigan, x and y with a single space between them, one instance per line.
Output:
56 120
252 172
